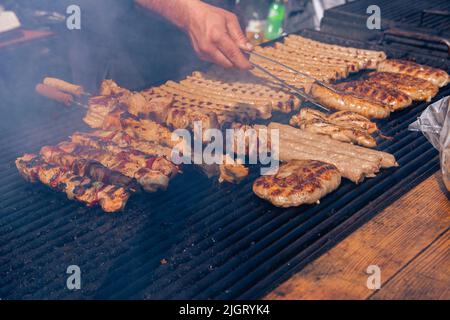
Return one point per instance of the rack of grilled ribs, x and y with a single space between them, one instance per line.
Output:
111 198
349 127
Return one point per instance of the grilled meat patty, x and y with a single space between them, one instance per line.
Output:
298 182
417 89
437 77
393 98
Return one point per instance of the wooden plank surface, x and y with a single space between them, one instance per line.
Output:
397 240
426 277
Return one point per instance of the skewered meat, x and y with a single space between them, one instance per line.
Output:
317 122
298 182
417 89
150 179
388 96
125 140
346 101
87 168
111 198
437 77
152 161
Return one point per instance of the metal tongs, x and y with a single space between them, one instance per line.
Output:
300 92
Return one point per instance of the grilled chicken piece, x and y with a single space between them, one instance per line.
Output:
393 98
111 198
437 77
341 118
298 182
417 89
354 120
349 102
337 132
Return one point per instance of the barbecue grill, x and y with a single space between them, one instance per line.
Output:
422 23
197 240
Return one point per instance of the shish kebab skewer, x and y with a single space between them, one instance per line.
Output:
140 132
110 197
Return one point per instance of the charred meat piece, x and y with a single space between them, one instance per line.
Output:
393 98
298 182
111 198
437 77
417 89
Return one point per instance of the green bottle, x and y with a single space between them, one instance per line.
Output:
275 20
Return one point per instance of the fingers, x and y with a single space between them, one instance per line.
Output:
229 48
235 32
220 59
212 54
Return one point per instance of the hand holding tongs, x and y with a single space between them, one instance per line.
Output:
300 92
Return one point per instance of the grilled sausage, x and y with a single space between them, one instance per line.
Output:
349 102
388 96
417 89
437 77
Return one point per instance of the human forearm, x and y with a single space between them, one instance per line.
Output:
173 10
215 33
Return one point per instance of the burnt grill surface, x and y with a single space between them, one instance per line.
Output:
196 240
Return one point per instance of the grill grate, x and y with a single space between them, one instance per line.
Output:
218 241
426 17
